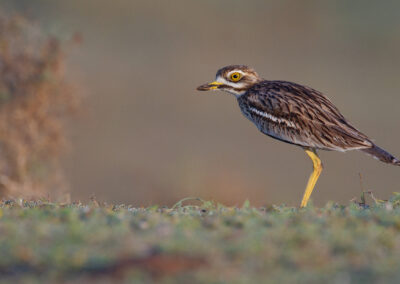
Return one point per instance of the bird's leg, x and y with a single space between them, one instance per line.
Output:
317 165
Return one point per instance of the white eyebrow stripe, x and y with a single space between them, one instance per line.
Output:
273 118
235 71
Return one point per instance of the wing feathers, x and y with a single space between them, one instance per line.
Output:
300 115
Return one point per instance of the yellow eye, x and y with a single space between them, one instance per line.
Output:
236 76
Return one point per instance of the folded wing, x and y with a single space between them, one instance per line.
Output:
300 115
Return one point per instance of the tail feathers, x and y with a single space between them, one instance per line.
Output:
382 155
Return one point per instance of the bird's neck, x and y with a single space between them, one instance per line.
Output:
236 91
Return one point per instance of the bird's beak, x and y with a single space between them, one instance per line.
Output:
210 86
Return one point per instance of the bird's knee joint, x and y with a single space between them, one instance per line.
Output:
318 166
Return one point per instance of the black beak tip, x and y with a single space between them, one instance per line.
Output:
204 87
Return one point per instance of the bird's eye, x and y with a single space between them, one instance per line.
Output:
236 76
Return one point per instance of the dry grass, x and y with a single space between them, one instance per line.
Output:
34 100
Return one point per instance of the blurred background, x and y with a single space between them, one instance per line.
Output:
145 135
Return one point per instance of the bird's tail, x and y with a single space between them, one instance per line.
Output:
382 155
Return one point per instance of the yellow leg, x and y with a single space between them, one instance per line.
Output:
313 177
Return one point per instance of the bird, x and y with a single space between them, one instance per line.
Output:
295 114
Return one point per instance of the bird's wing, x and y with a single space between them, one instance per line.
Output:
300 115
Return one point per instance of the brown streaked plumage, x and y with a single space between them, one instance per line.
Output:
294 114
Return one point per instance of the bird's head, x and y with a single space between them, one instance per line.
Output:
234 79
